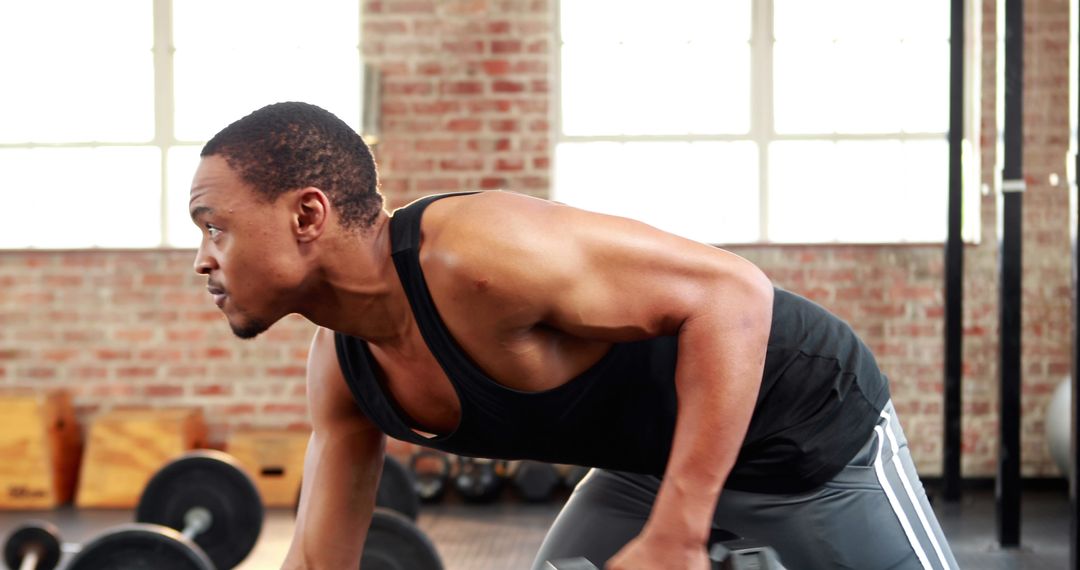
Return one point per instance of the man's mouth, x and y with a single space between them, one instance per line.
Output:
218 295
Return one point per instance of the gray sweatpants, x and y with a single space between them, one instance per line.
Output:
873 515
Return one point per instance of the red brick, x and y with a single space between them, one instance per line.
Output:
287 371
409 7
438 145
504 125
463 47
127 372
436 107
430 68
406 88
461 164
213 390
63 281
430 185
499 47
507 86
299 409
509 165
496 67
464 125
461 88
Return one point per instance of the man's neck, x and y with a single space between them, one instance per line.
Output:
359 292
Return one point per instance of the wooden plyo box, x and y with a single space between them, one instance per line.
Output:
39 449
274 459
127 446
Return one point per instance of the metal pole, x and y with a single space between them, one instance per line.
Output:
1008 475
954 261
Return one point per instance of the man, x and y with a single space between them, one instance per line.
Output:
499 325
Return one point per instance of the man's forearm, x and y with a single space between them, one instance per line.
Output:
721 359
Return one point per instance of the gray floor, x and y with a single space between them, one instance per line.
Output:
505 536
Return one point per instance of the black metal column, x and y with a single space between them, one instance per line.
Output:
1008 474
954 261
1074 457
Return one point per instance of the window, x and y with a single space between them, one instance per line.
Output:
758 121
99 142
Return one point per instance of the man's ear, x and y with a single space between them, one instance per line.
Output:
311 214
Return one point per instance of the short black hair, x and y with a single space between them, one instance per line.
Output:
287 146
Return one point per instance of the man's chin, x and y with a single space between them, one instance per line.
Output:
249 329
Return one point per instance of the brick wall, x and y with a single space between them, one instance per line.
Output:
466 106
465 94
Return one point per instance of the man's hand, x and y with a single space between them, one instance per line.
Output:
651 551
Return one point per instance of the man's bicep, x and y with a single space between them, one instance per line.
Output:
329 399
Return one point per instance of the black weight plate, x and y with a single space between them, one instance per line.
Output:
214 481
430 485
141 547
37 535
397 490
395 543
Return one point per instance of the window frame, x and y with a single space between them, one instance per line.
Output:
762 130
164 138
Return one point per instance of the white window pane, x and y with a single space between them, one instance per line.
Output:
213 88
804 98
235 56
873 191
230 24
868 19
84 71
182 162
860 19
674 88
802 20
81 197
610 21
867 87
924 75
925 20
707 191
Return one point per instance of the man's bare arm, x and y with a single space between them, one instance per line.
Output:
341 469
612 279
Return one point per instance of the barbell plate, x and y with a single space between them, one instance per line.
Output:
141 547
216 482
40 536
395 543
397 491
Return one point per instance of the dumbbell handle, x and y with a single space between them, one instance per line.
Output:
197 521
30 558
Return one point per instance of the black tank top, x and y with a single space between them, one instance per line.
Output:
820 395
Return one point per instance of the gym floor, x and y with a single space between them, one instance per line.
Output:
505 535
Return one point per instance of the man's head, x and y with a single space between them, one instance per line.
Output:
267 188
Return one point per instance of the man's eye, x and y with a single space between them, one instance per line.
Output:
212 230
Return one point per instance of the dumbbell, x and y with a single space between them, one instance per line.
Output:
199 512
733 554
395 543
33 546
36 546
397 490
